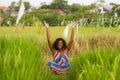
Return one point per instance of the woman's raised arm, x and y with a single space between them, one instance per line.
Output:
48 36
71 37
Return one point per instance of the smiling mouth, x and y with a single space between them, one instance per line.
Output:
59 46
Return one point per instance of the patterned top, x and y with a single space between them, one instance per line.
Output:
60 63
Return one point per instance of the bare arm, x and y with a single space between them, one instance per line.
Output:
48 36
71 37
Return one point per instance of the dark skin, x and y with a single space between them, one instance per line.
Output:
60 43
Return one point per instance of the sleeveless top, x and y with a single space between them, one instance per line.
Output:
60 62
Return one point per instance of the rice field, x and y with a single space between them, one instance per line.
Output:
95 54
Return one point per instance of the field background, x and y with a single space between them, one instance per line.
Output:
95 54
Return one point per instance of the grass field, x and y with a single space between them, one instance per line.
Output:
95 54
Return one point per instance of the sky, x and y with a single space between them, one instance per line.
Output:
37 2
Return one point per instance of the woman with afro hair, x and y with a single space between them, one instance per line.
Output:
59 51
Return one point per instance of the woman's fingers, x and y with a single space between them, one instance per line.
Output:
46 24
74 24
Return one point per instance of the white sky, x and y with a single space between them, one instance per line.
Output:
37 2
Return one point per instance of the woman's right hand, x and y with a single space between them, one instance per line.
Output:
46 24
74 24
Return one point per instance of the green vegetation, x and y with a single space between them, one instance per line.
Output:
24 55
20 58
96 65
65 13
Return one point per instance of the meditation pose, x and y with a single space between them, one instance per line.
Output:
59 51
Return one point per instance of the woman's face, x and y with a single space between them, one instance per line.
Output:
60 44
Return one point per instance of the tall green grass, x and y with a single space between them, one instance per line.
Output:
20 58
24 55
96 65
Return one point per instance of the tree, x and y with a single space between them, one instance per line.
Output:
27 5
75 7
60 4
45 7
12 6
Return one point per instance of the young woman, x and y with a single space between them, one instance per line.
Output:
59 51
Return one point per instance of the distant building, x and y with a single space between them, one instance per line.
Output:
3 9
104 8
59 11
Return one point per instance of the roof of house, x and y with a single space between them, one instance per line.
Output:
118 4
59 11
105 7
3 7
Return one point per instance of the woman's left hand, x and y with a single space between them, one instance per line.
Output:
46 24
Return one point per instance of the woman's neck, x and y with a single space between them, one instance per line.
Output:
61 50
